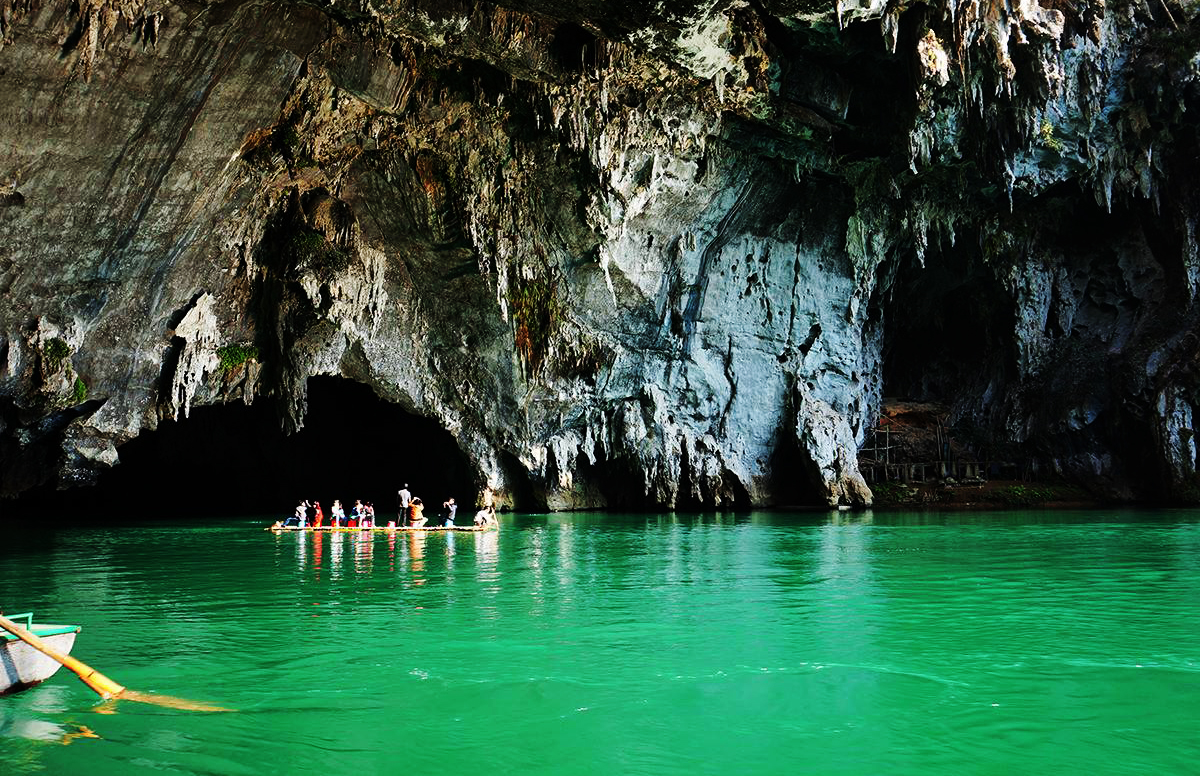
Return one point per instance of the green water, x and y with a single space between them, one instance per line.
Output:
1018 643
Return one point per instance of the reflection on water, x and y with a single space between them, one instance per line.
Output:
416 556
336 542
364 555
826 643
317 552
36 715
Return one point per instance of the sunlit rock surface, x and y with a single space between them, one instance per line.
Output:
627 254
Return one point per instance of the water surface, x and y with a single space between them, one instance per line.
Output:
993 643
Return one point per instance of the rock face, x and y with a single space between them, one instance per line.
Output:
626 254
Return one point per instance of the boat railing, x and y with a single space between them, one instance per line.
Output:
26 616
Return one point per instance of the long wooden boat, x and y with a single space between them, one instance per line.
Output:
22 666
394 529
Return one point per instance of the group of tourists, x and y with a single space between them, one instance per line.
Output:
410 513
362 515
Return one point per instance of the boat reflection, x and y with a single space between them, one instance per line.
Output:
337 539
364 555
411 552
416 555
16 722
318 541
487 555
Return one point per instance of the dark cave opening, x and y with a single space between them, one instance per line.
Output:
574 48
948 332
521 488
611 478
795 479
233 460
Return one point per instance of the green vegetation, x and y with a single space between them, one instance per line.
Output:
989 493
79 391
1022 495
233 356
1046 132
887 493
55 351
306 246
536 314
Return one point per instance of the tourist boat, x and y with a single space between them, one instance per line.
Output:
22 666
393 529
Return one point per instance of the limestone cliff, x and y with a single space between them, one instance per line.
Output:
626 254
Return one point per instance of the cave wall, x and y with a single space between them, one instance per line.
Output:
624 254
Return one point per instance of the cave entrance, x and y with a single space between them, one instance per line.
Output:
795 479
233 460
948 329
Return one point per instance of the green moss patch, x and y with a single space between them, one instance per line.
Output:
54 352
79 391
233 356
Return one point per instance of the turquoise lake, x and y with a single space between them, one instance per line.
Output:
757 643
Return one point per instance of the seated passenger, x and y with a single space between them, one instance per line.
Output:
417 517
297 518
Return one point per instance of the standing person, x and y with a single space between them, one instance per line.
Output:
451 508
403 501
337 514
318 515
370 513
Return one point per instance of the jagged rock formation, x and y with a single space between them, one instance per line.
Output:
626 254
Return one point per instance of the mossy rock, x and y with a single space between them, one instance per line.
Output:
79 391
233 356
536 315
54 352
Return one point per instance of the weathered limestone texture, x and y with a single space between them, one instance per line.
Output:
627 254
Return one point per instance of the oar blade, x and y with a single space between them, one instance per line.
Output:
168 701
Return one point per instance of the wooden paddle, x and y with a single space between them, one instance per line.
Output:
106 688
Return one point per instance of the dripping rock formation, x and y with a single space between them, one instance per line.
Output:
624 254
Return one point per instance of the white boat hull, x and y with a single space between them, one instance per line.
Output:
22 666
